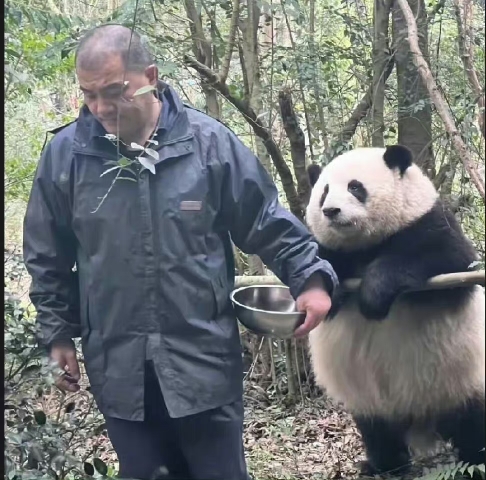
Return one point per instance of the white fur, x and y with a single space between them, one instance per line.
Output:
422 358
419 360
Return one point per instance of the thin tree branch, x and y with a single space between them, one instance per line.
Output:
360 111
463 11
260 130
301 83
438 100
231 41
297 143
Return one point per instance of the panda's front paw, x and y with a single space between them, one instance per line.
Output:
338 300
374 303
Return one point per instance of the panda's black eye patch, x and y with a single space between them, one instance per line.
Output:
324 195
358 190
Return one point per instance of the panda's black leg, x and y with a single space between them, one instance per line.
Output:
465 427
385 445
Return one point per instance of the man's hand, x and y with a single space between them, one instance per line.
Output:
315 302
64 354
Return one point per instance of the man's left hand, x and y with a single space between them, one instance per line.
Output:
315 302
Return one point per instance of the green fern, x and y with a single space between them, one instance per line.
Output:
454 471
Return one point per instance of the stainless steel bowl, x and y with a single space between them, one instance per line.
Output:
267 310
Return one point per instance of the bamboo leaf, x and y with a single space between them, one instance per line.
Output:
146 89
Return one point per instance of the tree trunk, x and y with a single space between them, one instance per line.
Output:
414 109
463 10
380 60
315 74
202 50
439 102
297 144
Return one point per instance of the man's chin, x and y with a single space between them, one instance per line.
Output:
113 128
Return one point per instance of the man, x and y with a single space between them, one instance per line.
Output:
149 294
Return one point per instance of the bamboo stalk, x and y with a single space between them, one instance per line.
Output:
448 280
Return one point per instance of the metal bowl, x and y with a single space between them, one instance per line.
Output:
267 309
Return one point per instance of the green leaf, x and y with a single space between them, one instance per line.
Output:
88 469
146 89
471 470
100 466
167 68
40 417
124 162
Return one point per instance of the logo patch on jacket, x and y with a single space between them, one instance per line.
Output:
190 206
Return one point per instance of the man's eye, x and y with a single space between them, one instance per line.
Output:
115 93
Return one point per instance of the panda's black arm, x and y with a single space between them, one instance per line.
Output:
346 265
432 246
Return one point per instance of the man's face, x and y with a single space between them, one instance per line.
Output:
108 94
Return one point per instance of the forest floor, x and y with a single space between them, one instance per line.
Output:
313 440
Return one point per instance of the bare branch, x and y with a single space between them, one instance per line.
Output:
297 144
381 14
463 11
301 83
231 41
260 130
439 102
360 111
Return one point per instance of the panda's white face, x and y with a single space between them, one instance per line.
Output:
359 200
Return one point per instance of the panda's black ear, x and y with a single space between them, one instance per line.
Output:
313 172
398 156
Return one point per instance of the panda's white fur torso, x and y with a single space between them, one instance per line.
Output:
415 362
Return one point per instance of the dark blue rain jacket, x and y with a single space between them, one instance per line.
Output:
154 265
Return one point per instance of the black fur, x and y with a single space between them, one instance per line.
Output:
433 245
465 427
358 190
398 156
385 445
313 172
385 442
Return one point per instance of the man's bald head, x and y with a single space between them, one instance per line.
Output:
108 40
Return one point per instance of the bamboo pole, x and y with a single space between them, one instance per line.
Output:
448 280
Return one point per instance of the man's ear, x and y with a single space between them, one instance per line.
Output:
152 74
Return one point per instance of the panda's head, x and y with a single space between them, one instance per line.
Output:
365 195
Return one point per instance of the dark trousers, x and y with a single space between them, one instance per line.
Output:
205 446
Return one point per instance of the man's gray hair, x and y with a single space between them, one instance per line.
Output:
112 39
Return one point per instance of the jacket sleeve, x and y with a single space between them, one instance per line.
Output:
259 224
49 254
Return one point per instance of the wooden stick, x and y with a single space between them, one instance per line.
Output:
448 280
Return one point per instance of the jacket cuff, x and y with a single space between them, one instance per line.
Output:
324 268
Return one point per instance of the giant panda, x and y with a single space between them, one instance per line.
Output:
409 367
